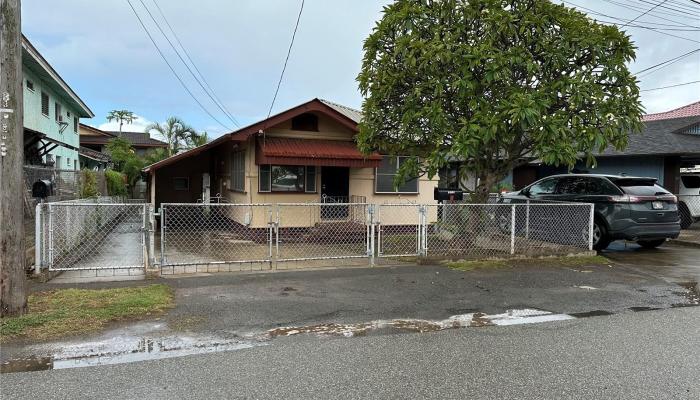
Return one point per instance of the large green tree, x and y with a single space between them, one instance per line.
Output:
494 83
126 161
175 132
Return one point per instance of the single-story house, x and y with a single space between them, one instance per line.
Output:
668 142
97 139
306 154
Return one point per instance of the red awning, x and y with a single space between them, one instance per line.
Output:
329 153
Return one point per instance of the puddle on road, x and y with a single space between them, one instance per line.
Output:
594 313
120 350
477 319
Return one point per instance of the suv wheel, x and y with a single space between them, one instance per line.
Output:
684 213
600 235
651 244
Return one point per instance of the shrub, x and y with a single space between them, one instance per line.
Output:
116 183
88 184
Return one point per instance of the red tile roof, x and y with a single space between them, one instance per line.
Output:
290 151
692 109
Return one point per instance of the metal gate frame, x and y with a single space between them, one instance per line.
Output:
420 235
368 223
163 260
145 208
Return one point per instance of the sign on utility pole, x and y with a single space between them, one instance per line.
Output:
13 296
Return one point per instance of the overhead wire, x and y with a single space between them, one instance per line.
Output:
173 69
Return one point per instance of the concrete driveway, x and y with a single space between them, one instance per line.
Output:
672 263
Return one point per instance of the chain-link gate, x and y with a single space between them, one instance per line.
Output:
688 209
400 229
92 236
327 231
199 237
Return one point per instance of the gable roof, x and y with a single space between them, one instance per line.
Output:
345 116
33 60
692 109
662 137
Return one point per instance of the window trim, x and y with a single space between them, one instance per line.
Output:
306 178
186 178
376 174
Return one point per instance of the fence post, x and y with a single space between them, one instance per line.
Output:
422 231
527 220
277 236
590 228
145 238
370 231
512 229
37 239
270 229
50 236
162 235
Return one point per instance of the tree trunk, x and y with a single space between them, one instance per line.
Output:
13 296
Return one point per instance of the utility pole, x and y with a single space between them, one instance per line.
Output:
13 295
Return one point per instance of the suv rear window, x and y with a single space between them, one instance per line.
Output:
640 187
691 181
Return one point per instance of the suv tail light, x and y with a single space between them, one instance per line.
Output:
626 198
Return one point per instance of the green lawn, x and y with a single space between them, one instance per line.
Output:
72 311
575 261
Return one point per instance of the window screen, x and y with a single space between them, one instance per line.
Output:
75 124
57 112
238 171
45 104
310 179
181 183
385 174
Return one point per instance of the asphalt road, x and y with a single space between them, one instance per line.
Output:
643 355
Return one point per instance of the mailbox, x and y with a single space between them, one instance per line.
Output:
441 194
42 189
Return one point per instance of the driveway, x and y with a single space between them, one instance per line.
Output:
677 264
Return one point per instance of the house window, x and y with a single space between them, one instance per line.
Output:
238 171
305 122
68 162
57 110
287 178
181 183
30 85
75 164
385 174
45 104
75 124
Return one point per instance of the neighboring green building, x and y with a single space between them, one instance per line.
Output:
52 112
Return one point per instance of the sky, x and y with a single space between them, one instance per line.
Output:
239 46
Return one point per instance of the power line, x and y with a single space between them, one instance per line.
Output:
645 13
680 11
628 21
171 67
289 51
227 112
182 59
670 86
667 62
654 15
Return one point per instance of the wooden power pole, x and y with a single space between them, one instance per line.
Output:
13 295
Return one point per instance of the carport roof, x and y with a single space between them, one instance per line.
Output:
663 137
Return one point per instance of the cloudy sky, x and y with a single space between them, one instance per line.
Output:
239 46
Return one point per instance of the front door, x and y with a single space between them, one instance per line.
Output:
335 188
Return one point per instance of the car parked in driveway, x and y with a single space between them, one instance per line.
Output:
689 198
629 208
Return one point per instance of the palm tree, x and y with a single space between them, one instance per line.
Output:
197 139
121 116
175 132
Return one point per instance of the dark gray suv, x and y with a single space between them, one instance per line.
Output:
629 208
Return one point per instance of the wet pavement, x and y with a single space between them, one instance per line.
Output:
677 264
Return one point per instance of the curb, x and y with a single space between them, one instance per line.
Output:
684 243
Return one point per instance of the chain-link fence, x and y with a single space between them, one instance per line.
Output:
90 236
307 232
688 209
215 237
